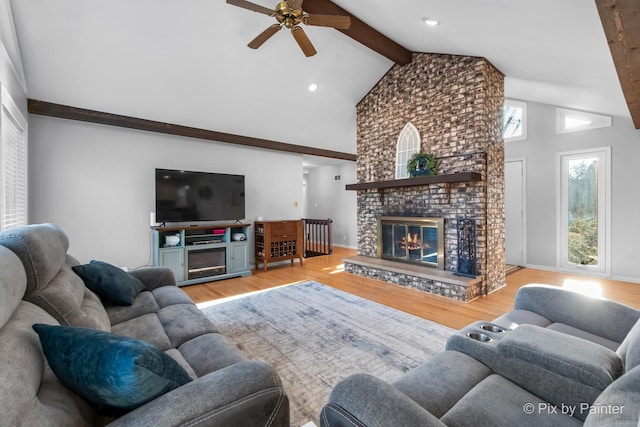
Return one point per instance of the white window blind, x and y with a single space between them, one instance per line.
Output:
13 161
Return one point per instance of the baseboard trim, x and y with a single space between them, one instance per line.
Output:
585 274
345 246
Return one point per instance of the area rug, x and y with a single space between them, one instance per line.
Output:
315 335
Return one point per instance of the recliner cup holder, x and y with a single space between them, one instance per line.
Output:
479 336
492 328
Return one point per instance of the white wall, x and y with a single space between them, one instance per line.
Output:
97 182
540 152
327 198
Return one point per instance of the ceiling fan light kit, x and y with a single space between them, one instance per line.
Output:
289 14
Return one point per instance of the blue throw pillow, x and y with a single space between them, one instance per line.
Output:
112 284
109 369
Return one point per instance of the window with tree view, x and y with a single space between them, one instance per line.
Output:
584 210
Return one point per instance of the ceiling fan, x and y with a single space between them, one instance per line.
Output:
289 14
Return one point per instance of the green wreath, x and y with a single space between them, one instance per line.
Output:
422 164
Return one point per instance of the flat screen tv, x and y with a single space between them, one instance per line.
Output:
183 196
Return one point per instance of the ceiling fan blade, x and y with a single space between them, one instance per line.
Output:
303 41
251 6
264 36
336 21
294 4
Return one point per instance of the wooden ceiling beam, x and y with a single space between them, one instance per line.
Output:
621 23
73 113
361 32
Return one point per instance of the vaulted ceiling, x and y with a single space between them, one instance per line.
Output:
188 63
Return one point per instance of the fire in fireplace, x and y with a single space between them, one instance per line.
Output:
409 239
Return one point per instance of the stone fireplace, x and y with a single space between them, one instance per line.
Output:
455 102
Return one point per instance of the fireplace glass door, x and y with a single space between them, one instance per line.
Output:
419 241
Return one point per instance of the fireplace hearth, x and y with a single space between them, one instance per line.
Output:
412 239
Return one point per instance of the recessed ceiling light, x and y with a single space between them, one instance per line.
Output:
430 21
312 87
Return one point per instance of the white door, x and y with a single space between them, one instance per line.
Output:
514 197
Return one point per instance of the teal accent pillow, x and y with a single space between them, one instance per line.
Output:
108 369
112 284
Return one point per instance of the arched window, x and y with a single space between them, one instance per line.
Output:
408 144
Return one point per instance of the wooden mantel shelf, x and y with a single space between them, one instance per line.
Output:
419 180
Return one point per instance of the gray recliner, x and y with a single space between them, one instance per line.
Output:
558 359
38 285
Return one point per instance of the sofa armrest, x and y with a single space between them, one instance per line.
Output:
154 277
570 357
246 393
364 400
598 316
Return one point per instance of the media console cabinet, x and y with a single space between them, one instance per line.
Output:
202 253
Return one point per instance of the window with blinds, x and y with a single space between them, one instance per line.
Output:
13 163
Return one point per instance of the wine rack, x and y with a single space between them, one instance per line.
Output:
278 241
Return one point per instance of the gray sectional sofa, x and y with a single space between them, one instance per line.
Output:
38 285
558 358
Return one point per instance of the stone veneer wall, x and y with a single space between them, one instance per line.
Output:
456 103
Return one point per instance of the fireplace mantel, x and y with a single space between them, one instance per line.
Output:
419 180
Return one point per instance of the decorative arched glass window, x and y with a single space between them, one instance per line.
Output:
408 144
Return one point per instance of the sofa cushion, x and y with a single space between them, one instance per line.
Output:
171 295
496 401
148 302
571 357
604 318
579 333
442 380
183 322
363 400
112 284
618 405
42 249
51 283
108 369
13 283
147 328
30 393
197 352
629 350
514 318
143 304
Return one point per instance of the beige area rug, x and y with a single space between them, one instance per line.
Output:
315 335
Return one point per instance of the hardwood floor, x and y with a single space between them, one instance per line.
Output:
330 271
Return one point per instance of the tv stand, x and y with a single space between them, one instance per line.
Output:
202 253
